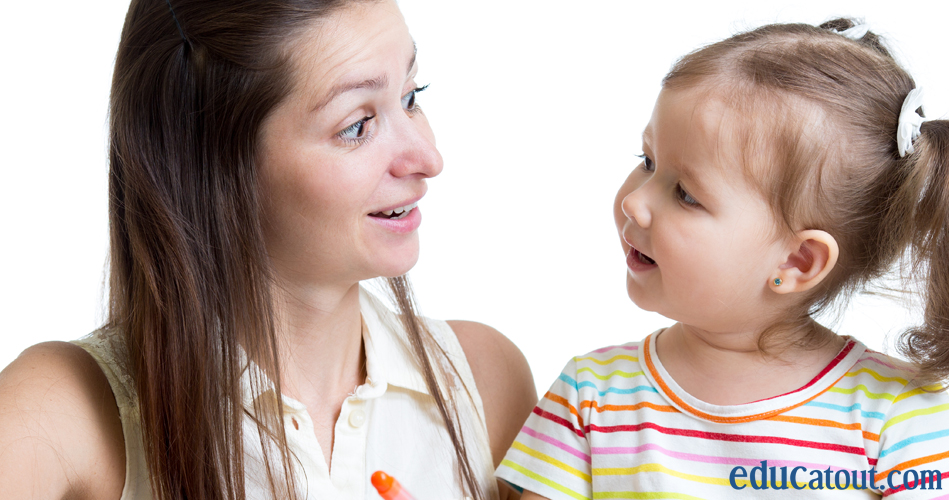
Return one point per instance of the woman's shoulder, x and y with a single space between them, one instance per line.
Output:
503 378
60 431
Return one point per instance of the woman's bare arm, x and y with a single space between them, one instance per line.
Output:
505 383
60 434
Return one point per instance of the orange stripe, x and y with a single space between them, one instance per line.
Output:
637 406
563 401
871 436
819 422
911 463
716 418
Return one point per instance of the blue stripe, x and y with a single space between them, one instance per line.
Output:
915 439
847 409
573 383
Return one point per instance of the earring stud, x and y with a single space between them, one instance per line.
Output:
777 282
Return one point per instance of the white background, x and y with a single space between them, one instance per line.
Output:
537 107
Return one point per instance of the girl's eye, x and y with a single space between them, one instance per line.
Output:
408 100
356 132
648 164
685 197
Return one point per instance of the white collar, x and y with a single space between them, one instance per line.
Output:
389 358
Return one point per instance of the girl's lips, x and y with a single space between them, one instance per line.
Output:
637 262
404 225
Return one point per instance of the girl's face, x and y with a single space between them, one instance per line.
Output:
699 239
345 149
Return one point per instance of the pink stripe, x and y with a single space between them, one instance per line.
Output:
881 362
565 447
610 348
708 459
717 436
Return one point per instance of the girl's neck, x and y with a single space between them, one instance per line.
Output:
730 369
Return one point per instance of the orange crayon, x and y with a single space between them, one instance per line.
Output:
388 487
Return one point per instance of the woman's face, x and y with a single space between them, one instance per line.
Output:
345 149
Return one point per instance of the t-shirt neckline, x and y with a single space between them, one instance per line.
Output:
757 410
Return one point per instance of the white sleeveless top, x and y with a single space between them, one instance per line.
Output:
390 423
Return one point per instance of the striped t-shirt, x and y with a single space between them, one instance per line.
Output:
615 425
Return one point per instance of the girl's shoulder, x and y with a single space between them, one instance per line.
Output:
876 369
59 426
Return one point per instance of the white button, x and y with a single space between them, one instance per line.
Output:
357 418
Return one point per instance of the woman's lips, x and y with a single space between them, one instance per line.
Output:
637 261
405 224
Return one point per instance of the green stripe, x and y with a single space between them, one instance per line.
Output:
865 390
543 480
910 414
614 373
877 376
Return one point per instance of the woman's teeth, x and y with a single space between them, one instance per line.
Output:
398 213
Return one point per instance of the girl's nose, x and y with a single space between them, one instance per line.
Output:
636 208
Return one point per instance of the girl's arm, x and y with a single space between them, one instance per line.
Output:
505 383
60 434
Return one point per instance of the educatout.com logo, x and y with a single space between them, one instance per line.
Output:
763 477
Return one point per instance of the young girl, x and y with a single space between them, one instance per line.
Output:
783 169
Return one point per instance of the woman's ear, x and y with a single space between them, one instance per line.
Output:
806 266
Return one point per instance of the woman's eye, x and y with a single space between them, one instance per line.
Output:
648 164
685 197
408 100
357 131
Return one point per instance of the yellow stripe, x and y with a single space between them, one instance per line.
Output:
628 471
608 361
543 480
658 495
910 414
550 460
691 477
611 374
915 392
877 376
865 390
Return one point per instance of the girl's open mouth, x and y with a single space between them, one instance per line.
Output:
643 257
638 261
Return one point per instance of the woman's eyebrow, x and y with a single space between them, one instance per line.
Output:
375 83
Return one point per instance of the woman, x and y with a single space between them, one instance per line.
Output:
266 157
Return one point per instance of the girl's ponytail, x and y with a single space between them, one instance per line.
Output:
928 344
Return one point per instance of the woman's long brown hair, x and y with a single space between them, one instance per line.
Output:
817 116
190 280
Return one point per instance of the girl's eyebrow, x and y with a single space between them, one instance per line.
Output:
684 171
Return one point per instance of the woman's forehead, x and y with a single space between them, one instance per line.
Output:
363 45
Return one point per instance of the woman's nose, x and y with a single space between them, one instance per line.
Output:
636 208
417 154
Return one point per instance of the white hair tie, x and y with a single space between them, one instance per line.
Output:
856 32
910 121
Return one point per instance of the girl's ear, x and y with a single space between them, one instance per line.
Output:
808 265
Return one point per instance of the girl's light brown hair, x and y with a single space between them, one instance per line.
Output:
190 279
817 116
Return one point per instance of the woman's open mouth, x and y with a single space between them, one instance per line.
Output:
398 213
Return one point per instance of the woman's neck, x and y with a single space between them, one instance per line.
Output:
729 368
319 333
